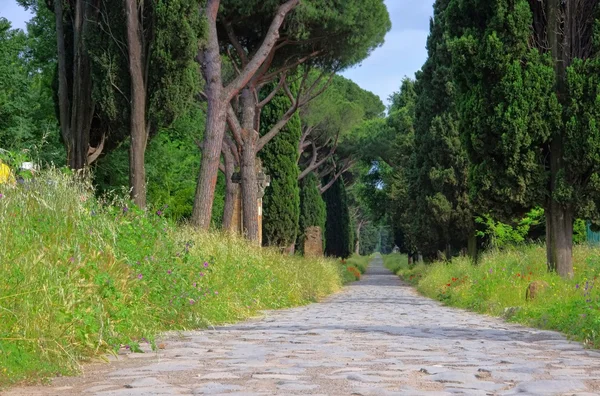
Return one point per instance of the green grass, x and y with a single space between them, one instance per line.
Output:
498 283
82 277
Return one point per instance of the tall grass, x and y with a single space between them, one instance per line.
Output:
82 276
497 285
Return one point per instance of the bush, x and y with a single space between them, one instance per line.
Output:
497 285
83 276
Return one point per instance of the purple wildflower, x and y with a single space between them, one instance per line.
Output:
159 212
205 264
491 270
216 292
140 276
577 286
169 272
1 196
201 273
72 259
194 284
125 209
192 301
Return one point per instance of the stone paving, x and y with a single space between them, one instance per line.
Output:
377 337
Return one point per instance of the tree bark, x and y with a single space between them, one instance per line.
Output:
139 136
231 189
357 244
248 165
63 95
210 61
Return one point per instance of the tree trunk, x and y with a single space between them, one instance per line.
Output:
210 60
231 191
357 244
249 191
559 219
139 136
472 246
63 95
75 112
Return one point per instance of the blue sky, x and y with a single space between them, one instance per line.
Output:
402 54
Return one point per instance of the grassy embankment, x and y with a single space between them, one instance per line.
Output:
497 286
82 277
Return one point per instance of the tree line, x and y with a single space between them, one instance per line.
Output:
501 123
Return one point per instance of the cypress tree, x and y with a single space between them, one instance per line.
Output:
312 207
338 232
281 203
528 75
441 214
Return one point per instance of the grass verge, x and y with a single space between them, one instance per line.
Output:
82 277
497 285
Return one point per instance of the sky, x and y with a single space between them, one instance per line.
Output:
402 54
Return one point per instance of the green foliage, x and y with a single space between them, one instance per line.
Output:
395 262
27 120
281 202
83 276
312 207
359 262
440 209
497 285
338 233
344 32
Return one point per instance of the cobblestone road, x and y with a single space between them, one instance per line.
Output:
377 337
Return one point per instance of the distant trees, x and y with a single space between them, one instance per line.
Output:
338 231
313 212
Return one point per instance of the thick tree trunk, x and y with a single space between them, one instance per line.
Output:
210 60
231 190
249 191
559 221
248 164
139 136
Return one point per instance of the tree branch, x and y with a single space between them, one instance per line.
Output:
263 52
274 92
236 44
234 125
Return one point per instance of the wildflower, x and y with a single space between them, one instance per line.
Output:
125 209
201 273
205 264
447 284
1 196
169 272
192 301
216 292
72 259
491 270
194 284
140 276
159 212
577 286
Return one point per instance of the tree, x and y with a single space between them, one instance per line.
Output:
338 232
440 209
282 198
313 212
327 36
527 74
